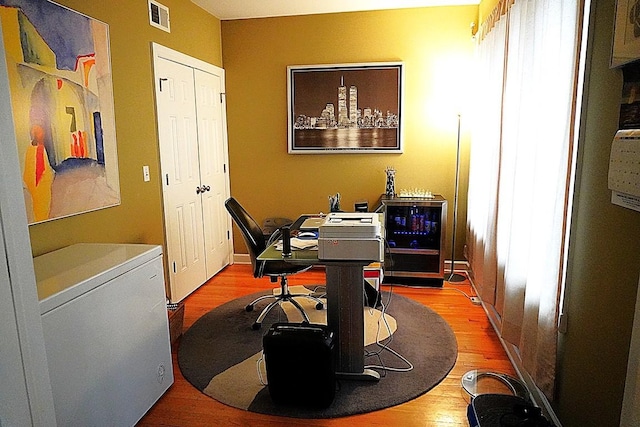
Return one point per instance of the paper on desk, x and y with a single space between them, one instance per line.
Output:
300 244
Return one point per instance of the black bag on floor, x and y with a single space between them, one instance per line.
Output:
300 364
502 410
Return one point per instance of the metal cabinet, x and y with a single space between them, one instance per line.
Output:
415 229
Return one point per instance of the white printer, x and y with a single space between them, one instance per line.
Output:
351 236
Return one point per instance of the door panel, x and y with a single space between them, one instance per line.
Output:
212 170
179 161
195 181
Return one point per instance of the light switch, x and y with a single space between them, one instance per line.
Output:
145 173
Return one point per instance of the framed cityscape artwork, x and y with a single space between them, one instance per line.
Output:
345 108
59 75
626 34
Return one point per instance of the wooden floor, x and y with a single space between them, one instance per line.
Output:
444 405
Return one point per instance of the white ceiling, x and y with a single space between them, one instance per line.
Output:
243 9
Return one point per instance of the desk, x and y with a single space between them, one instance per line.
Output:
345 306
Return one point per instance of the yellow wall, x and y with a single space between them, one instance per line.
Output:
139 217
436 47
485 8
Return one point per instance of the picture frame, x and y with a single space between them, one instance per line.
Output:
61 88
345 108
626 33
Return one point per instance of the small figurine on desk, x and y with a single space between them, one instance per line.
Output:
334 203
391 181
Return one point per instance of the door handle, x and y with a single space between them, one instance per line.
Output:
202 189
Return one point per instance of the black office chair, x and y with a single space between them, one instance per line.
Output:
256 243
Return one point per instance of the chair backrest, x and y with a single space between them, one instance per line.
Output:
251 233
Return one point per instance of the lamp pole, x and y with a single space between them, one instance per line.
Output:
453 277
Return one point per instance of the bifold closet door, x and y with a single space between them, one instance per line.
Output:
193 161
213 174
181 187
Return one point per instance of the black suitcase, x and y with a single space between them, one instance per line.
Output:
300 364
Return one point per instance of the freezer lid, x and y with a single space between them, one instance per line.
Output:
66 273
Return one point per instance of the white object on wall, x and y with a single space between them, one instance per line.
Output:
159 16
624 169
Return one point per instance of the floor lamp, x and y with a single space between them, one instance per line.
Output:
453 277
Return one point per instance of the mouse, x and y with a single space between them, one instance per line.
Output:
307 234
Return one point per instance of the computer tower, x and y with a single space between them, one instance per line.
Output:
300 364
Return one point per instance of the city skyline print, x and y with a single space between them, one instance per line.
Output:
349 108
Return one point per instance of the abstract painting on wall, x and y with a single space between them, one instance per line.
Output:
59 74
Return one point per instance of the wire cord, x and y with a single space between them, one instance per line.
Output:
385 346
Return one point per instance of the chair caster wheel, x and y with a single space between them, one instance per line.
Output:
248 308
256 326
319 306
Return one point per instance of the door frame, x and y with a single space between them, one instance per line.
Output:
24 380
163 52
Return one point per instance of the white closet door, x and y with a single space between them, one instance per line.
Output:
179 159
211 125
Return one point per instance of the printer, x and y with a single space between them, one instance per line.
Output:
351 236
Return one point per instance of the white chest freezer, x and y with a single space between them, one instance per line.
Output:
106 331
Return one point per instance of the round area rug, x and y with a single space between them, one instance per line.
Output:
221 356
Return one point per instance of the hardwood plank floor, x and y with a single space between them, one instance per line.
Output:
445 405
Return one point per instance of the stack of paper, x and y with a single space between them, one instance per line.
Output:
299 244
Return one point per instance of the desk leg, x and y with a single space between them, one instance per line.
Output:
345 316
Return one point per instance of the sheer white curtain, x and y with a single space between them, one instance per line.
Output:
520 272
485 160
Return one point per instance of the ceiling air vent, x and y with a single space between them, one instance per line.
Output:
159 16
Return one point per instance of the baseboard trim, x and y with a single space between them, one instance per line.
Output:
241 259
457 265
